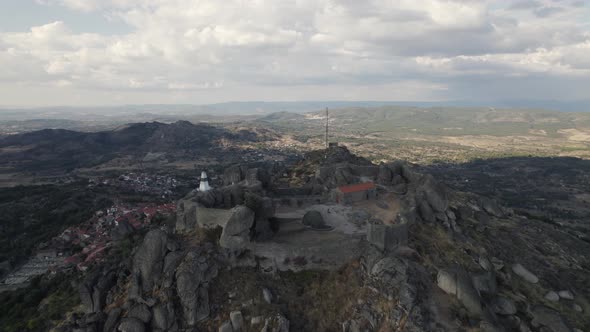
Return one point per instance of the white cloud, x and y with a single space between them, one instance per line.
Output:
207 45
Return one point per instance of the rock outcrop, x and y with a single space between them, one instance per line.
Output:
93 291
459 284
192 280
314 219
236 233
148 261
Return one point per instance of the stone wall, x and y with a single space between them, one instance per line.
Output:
211 218
387 237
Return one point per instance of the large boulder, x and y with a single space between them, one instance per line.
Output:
93 291
435 193
237 320
491 207
148 261
131 325
314 219
232 195
236 233
504 306
447 281
160 320
141 312
458 283
549 319
121 230
186 215
522 272
426 212
264 209
112 319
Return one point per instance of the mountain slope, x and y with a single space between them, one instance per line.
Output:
64 149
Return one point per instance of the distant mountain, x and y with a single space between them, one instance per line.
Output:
65 150
433 121
174 112
282 116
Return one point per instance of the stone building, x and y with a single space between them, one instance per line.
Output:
355 193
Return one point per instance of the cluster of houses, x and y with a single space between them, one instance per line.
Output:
95 235
89 241
162 185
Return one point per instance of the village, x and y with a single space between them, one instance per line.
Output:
140 182
78 247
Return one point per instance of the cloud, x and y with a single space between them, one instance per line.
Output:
547 11
179 47
526 4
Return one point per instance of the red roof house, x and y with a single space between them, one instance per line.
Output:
355 192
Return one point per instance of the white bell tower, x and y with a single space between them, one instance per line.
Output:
204 185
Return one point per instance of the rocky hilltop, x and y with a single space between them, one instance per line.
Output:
262 254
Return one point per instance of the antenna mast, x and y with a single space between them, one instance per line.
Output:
327 121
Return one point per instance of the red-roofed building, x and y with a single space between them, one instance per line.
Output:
355 192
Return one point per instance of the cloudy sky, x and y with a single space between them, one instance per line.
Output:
105 52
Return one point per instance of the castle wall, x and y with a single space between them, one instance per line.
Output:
387 237
211 218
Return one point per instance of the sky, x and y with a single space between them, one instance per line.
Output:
113 52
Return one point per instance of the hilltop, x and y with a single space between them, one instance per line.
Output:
59 149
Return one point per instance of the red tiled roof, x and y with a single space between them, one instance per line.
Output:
356 187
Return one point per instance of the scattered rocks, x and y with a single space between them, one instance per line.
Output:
485 326
504 306
390 270
256 320
566 295
276 324
485 263
549 318
486 283
552 296
522 272
498 263
577 307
